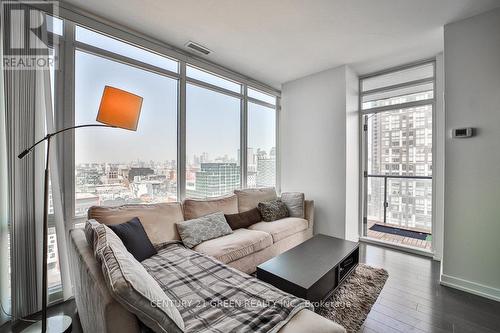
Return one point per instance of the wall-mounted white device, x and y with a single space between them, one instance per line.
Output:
460 133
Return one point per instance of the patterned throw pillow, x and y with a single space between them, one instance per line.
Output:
272 210
196 231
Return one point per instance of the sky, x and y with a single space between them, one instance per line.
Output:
212 119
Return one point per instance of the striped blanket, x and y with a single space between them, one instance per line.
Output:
212 297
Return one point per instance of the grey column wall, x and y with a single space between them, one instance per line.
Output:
472 179
313 145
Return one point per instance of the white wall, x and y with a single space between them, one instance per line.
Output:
352 156
472 180
313 145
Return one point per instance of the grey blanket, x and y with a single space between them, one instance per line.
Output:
212 297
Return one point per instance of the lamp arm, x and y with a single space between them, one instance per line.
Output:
48 136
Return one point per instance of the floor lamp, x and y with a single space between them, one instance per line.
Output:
118 109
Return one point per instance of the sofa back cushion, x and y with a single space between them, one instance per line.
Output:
294 201
249 198
194 208
132 286
158 220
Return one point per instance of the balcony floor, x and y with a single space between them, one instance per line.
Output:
396 239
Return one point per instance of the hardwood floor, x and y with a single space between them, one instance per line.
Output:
412 300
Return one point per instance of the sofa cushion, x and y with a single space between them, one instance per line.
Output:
132 286
194 208
243 220
281 229
210 226
239 244
158 220
134 238
294 201
250 198
89 229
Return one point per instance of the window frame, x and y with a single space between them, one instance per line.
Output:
363 142
65 100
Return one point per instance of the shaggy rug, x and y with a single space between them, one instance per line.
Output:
351 302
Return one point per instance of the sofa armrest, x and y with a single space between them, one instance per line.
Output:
309 212
97 309
308 321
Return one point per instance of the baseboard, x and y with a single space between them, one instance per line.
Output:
470 287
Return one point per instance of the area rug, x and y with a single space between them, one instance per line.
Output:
350 304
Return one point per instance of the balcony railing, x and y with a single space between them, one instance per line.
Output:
405 201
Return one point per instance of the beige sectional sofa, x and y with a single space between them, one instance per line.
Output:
244 250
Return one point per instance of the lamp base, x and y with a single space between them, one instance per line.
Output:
55 324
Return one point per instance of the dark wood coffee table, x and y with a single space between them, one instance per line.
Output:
313 269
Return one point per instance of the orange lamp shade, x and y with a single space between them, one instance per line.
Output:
119 108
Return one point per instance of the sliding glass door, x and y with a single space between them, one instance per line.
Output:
397 115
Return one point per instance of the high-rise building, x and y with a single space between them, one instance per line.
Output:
215 179
266 172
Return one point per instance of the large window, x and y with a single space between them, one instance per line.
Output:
212 143
115 166
198 121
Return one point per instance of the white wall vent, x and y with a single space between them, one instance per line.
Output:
198 48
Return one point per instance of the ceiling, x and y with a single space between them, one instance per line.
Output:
275 41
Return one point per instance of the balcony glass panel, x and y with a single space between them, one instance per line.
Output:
375 197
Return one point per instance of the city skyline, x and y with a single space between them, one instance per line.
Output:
116 183
188 158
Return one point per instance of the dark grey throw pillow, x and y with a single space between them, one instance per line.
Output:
273 210
243 220
134 238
